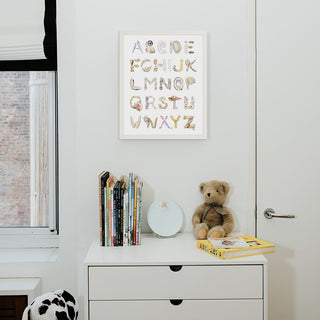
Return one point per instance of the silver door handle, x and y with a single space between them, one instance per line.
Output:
269 213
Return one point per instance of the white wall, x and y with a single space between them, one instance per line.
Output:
173 169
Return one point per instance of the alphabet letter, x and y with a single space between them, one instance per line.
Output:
150 82
187 46
161 47
190 81
189 124
149 122
149 102
137 46
164 121
175 120
186 103
167 85
149 47
178 83
147 68
136 104
133 87
135 124
175 46
132 65
189 65
181 66
158 65
163 101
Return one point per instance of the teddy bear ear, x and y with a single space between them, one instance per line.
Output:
225 187
201 187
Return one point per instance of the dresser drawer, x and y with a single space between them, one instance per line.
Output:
191 282
187 310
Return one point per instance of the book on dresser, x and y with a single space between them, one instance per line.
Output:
103 177
116 198
230 250
120 209
108 233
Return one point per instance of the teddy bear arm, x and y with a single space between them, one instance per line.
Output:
196 218
228 222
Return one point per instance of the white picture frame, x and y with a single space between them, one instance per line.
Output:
163 85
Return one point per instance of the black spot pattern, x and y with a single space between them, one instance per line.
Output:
68 297
71 312
61 315
47 301
62 304
60 300
43 309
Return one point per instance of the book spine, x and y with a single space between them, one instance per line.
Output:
120 224
106 217
109 217
135 215
112 216
104 178
100 207
209 249
125 219
129 208
115 216
131 213
140 214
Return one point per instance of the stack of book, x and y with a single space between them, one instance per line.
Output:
120 206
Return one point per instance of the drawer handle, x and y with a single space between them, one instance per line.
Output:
176 302
175 268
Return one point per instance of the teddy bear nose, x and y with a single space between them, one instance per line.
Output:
208 194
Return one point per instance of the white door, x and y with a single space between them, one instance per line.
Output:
288 127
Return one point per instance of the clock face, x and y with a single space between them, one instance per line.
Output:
165 218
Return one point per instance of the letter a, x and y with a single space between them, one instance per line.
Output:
137 46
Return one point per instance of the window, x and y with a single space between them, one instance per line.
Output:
28 159
28 124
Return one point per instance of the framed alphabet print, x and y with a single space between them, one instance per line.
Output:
163 85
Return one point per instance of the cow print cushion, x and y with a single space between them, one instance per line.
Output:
58 305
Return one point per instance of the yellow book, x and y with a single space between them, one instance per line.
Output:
256 246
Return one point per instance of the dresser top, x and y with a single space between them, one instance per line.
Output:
179 250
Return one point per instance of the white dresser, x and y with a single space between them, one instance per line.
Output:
170 279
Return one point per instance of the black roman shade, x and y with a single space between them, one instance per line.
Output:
31 56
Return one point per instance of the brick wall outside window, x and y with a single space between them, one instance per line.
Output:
14 149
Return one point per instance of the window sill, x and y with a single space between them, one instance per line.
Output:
28 255
24 241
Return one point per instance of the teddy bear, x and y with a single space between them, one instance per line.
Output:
211 219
